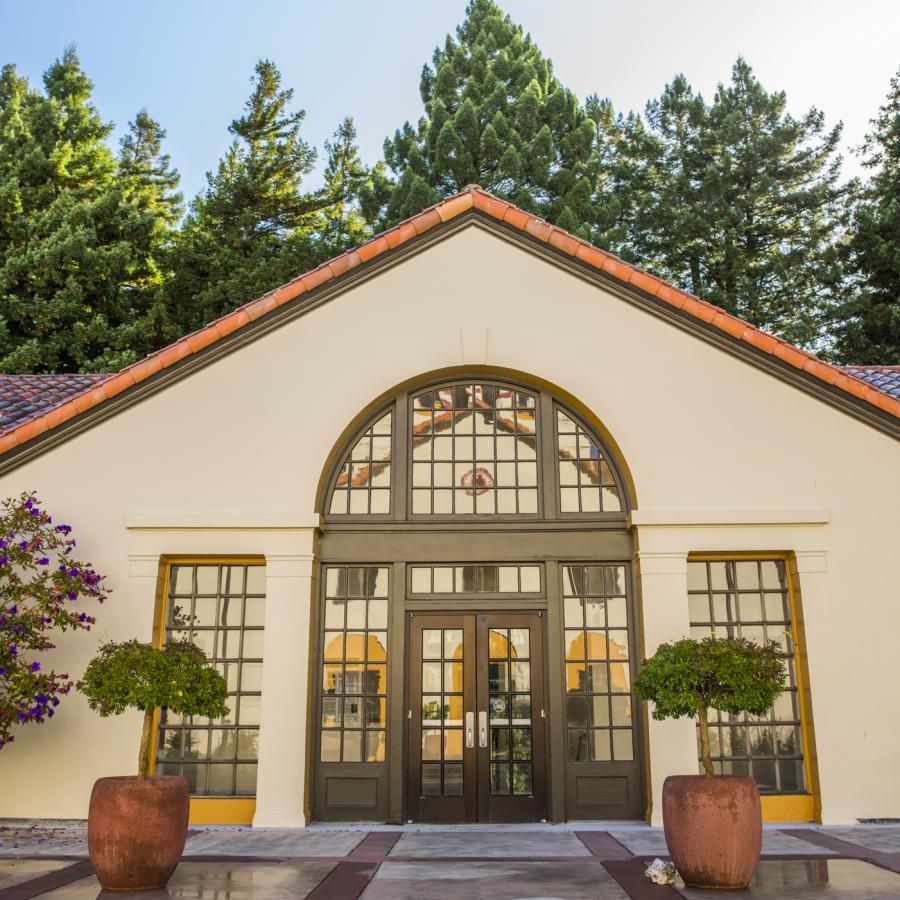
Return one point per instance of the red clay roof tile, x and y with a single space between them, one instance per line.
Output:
563 241
873 384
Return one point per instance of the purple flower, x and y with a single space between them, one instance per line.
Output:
35 667
44 561
63 529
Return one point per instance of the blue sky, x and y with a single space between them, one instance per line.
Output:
189 62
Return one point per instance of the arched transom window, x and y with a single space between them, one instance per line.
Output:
475 448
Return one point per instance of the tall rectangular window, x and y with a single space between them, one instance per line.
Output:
750 598
221 608
354 664
598 675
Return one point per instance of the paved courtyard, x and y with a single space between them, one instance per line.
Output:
465 863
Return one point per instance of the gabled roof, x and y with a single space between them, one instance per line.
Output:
885 378
472 201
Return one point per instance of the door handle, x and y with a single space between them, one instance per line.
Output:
470 729
482 729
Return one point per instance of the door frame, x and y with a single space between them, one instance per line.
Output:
476 807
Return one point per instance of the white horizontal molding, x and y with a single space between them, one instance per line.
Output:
152 520
711 518
295 565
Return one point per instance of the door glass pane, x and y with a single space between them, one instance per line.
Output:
520 676
431 780
431 677
453 780
521 779
499 643
500 778
453 643
431 643
498 676
499 708
521 743
431 743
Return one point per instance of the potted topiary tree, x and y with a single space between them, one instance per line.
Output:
137 826
713 825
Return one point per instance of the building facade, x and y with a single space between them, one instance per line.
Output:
428 507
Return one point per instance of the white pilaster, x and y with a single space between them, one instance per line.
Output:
663 591
280 789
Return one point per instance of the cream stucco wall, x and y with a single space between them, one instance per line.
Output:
723 457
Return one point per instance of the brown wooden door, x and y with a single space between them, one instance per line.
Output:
476 718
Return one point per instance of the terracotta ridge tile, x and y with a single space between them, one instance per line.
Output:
426 220
538 228
563 241
318 276
491 206
451 208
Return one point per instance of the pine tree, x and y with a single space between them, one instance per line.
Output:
73 266
738 202
868 325
495 115
349 183
250 230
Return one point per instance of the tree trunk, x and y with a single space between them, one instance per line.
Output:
144 755
704 742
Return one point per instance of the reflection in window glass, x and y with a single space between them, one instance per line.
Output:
598 675
354 664
750 599
363 484
221 608
586 482
474 451
475 579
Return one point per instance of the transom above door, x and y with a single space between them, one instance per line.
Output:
476 718
475 449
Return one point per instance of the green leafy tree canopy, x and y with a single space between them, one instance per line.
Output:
133 675
690 677
868 324
252 228
497 116
80 232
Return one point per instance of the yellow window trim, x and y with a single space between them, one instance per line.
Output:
222 810
788 807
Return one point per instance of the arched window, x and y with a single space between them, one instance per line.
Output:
476 449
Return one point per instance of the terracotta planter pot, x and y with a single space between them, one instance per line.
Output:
713 829
136 830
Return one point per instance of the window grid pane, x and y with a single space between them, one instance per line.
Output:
221 608
598 676
354 665
442 711
474 451
475 578
586 482
750 599
363 484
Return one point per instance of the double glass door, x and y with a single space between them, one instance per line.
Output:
476 718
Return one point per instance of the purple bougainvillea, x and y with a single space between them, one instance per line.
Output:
42 590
